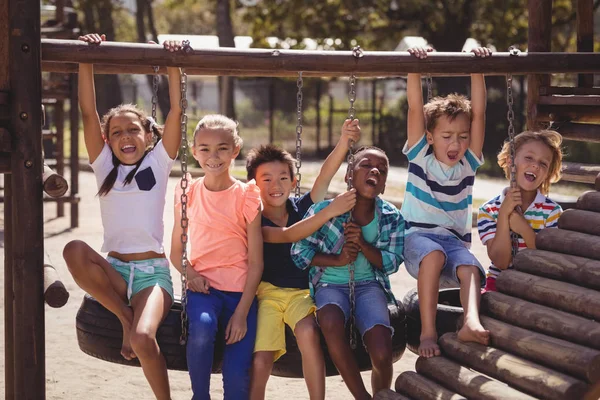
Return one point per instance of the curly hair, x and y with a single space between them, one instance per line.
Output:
451 106
550 138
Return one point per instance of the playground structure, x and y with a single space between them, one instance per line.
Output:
575 109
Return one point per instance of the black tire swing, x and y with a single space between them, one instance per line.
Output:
99 332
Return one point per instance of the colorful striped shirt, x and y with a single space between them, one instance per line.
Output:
439 198
329 239
541 213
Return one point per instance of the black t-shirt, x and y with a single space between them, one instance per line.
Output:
280 270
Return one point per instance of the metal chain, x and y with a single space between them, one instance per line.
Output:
350 159
510 116
298 134
154 92
184 185
429 81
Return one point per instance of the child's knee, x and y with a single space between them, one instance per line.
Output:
143 343
306 330
465 271
202 332
263 361
74 253
331 318
435 259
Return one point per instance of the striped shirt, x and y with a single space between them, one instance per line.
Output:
542 213
439 198
329 239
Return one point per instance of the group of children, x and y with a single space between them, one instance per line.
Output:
261 259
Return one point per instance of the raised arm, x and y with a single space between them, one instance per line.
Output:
92 132
478 105
172 132
350 132
414 94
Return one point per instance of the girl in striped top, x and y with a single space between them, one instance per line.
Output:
538 161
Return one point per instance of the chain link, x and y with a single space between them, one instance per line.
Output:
510 116
350 160
429 82
184 185
298 134
154 92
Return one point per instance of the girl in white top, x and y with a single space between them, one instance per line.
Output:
131 163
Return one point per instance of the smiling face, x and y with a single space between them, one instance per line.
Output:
450 138
127 138
214 150
275 183
370 173
532 162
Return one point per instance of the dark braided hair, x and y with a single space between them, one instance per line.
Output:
111 178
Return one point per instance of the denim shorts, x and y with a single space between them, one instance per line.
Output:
142 274
371 303
418 245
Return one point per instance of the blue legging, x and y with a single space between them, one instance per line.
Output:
207 313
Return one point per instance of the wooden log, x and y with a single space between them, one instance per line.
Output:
581 173
560 295
54 184
568 242
580 221
579 132
589 201
466 382
560 355
518 372
541 319
55 293
379 63
563 267
387 394
419 387
593 393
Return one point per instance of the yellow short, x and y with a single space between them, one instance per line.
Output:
277 307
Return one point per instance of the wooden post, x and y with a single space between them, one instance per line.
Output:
539 39
563 267
271 105
319 94
74 161
9 351
589 201
373 112
560 355
27 230
568 242
59 122
466 382
518 372
585 36
419 387
560 295
542 319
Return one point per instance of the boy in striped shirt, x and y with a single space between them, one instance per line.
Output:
538 161
444 149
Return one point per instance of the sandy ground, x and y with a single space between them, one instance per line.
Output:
71 374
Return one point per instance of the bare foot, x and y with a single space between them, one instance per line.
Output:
473 331
126 350
429 347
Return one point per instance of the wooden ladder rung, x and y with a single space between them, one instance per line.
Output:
579 132
581 173
570 100
564 90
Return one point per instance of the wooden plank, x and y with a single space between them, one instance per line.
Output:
548 90
380 63
466 382
560 355
589 201
541 319
580 221
26 174
5 140
563 267
585 36
419 387
74 159
548 112
568 242
579 132
518 372
560 295
387 394
571 99
9 352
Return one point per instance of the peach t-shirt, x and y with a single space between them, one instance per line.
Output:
217 231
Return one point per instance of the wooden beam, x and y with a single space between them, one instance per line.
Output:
269 62
585 36
559 295
520 373
579 132
567 90
465 382
538 318
570 99
568 242
549 112
539 39
419 387
560 355
26 174
581 173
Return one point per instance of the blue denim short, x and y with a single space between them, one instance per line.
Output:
371 303
142 274
417 245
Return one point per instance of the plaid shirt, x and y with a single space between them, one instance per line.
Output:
330 240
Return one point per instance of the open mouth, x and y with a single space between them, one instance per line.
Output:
372 181
128 148
530 176
452 155
276 195
214 165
